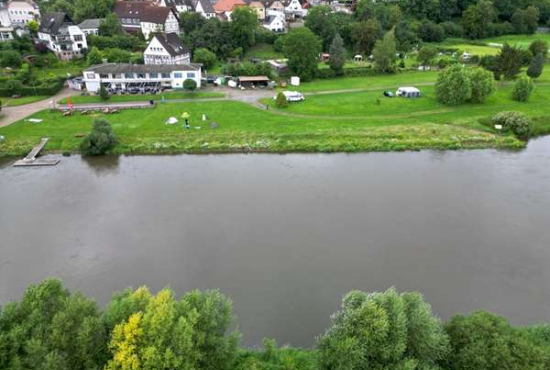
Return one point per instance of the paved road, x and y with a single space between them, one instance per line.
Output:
14 114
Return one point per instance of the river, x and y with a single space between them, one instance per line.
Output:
285 236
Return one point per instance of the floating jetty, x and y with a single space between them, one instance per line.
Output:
32 160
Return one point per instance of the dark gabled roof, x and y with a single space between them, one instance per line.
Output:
115 68
90 23
53 21
172 43
207 6
175 3
142 10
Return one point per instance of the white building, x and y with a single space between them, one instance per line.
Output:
180 6
91 26
123 76
146 17
21 12
294 7
62 36
166 49
205 8
275 23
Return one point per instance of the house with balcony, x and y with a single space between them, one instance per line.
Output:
166 49
119 76
60 35
91 26
147 17
21 12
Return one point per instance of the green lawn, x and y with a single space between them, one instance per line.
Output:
264 52
144 97
246 128
519 40
10 102
369 82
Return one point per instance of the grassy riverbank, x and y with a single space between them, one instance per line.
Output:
244 128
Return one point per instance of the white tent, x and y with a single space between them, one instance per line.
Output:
171 121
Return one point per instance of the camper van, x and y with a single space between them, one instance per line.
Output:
408 92
292 96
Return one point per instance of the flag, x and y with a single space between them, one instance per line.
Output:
70 103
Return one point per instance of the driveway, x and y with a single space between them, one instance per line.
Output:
13 114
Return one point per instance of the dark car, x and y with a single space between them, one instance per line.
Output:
388 94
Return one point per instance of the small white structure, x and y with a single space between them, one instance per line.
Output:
166 49
120 76
358 58
408 92
466 56
295 81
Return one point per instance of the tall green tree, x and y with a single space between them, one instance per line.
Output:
453 86
321 22
191 21
52 329
422 9
86 9
302 49
383 331
384 53
426 55
485 341
244 22
365 34
110 26
509 61
483 84
337 57
539 47
536 66
94 56
476 18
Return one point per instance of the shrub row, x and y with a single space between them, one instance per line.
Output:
50 88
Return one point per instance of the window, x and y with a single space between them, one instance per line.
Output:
166 75
190 74
78 37
90 76
153 75
118 75
128 75
103 75
178 75
141 75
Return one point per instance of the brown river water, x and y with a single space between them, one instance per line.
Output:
285 236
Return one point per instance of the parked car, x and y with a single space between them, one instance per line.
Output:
292 96
388 94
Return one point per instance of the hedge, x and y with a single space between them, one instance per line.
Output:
47 90
348 72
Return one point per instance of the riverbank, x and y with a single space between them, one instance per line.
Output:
245 128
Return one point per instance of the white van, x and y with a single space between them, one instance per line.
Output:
292 96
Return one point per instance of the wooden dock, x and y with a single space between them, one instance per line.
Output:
32 160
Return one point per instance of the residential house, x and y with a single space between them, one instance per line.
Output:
91 26
295 8
5 20
21 12
146 17
6 33
58 32
205 8
124 76
259 7
226 7
275 5
166 49
275 23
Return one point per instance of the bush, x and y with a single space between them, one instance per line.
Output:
453 86
281 101
205 57
523 89
539 47
100 140
515 122
15 87
483 84
536 66
10 58
103 94
190 85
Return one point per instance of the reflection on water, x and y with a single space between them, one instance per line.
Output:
287 235
105 165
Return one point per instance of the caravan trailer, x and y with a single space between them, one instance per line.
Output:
408 92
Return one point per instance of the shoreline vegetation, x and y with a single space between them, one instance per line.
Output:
139 330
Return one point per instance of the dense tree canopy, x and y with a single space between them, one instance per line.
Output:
302 49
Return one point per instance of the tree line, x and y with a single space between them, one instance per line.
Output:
52 328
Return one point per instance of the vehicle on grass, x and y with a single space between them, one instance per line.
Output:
388 94
292 96
408 92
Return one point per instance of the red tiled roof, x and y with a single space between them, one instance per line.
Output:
228 5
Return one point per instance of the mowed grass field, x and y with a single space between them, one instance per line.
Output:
243 127
519 40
